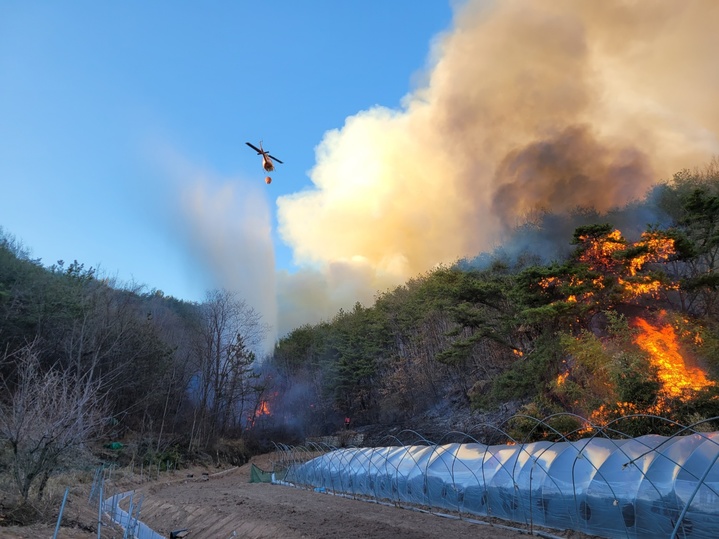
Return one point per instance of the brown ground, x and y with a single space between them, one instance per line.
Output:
224 504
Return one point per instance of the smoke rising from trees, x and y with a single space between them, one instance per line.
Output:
527 106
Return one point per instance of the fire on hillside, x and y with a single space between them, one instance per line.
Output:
262 410
613 272
661 344
678 380
611 259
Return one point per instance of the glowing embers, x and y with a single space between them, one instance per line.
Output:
612 255
652 248
612 270
598 253
656 248
661 344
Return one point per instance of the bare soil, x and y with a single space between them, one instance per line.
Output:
216 503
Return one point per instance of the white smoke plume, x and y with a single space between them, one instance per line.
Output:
225 224
527 106
230 232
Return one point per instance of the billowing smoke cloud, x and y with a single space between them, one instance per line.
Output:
310 295
527 105
567 171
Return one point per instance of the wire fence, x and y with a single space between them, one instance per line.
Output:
597 480
129 520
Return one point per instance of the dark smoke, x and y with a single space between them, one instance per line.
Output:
570 170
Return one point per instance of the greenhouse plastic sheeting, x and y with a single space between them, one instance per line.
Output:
138 529
651 486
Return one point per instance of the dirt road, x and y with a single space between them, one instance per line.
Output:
228 505
216 504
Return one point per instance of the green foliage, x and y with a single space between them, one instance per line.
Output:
480 308
359 341
543 420
297 349
704 334
635 381
546 295
586 233
702 406
553 334
527 376
692 202
605 371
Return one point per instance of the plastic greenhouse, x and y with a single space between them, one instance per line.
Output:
651 486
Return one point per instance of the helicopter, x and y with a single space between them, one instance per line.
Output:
267 163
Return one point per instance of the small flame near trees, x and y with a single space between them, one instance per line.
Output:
262 410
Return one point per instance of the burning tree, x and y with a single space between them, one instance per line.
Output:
640 367
661 344
607 271
225 373
617 357
598 371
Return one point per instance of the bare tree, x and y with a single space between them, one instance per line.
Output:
229 332
44 418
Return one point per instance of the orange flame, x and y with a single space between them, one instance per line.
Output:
601 415
660 342
659 249
598 253
263 409
604 255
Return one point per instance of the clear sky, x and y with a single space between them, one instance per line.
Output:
412 133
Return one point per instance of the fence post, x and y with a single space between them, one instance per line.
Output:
98 473
59 517
99 512
129 518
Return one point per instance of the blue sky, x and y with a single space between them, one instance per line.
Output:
90 92
412 133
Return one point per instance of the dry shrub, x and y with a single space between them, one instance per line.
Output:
15 511
232 451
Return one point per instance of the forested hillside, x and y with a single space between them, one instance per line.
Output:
618 318
598 315
84 360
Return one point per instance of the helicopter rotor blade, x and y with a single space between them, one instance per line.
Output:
274 158
259 152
